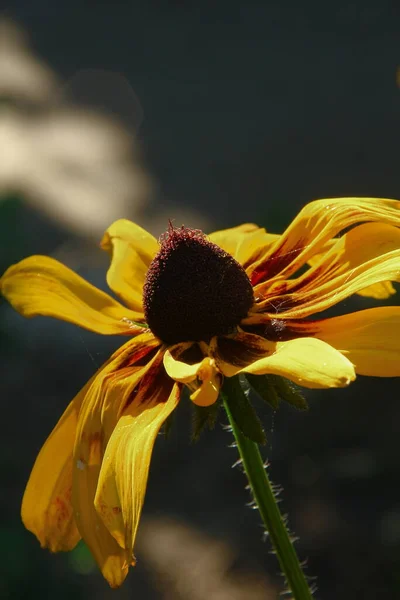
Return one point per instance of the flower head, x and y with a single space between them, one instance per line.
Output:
197 309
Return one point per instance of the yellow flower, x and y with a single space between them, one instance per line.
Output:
197 309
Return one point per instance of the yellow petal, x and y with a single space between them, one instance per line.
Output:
40 285
47 507
317 223
318 299
177 369
309 362
245 243
132 250
358 246
123 478
232 353
370 339
202 377
230 239
208 391
379 291
109 393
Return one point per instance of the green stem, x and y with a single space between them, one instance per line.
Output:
266 503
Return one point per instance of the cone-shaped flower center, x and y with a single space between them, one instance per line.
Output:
194 290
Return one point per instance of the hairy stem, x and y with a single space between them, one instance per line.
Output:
266 503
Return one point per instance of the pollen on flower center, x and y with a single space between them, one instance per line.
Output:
194 290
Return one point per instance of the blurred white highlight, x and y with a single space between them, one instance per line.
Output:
190 565
76 165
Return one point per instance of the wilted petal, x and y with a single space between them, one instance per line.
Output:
40 285
132 249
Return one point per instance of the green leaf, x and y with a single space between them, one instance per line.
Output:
288 392
262 386
242 411
202 417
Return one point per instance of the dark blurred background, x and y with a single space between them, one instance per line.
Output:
211 114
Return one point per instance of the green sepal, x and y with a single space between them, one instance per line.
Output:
287 391
262 386
274 388
137 323
242 411
203 417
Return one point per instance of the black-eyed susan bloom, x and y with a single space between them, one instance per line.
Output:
197 309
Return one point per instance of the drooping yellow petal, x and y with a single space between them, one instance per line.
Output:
318 222
309 362
245 243
101 409
132 249
123 478
370 339
47 506
40 285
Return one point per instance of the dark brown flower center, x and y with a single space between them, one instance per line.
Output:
194 289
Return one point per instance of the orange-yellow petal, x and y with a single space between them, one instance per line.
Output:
47 506
309 362
123 478
132 249
314 226
370 339
101 409
40 285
